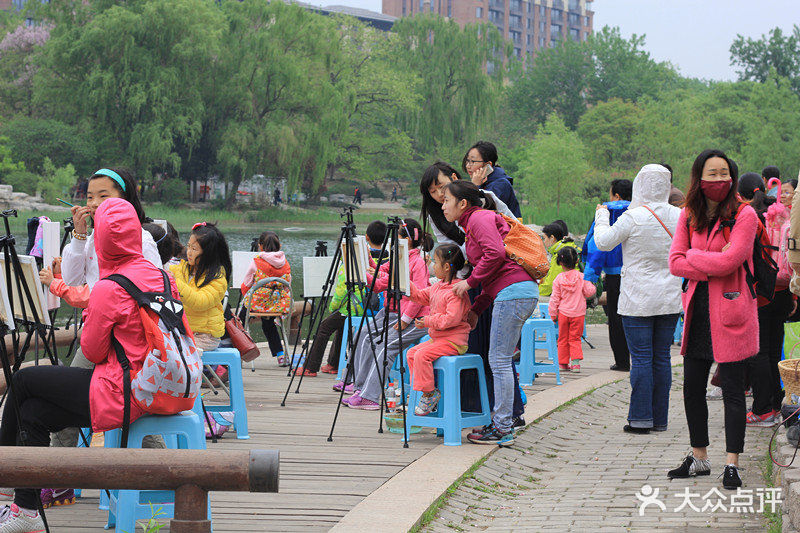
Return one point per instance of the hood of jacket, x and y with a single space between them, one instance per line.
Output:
571 280
274 259
497 174
559 245
117 235
651 186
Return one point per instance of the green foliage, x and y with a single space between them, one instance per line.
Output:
756 58
175 191
608 130
554 168
33 139
22 181
55 181
7 164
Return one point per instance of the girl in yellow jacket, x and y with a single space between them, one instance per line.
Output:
202 281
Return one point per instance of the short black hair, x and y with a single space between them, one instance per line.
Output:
771 172
563 226
668 168
793 183
622 187
567 257
376 232
269 241
450 254
554 230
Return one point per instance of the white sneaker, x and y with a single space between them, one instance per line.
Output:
6 495
714 394
14 520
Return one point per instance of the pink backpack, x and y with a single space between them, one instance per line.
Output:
777 225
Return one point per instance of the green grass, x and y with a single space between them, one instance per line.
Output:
431 512
774 519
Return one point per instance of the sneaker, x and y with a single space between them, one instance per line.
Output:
215 429
564 368
348 389
517 424
57 497
575 368
363 404
766 420
714 394
283 360
346 401
14 520
7 495
308 373
492 435
691 466
328 369
748 393
427 403
730 477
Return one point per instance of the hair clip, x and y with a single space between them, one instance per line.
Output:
199 224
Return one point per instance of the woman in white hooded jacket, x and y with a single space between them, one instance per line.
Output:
650 297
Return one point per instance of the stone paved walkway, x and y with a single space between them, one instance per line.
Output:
576 470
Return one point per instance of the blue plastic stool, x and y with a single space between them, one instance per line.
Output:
448 418
528 367
230 357
127 506
346 331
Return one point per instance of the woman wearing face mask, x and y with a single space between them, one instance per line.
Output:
713 249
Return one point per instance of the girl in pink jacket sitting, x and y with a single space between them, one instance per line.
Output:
568 309
447 325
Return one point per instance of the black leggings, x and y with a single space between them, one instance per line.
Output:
333 324
763 367
50 399
616 333
695 378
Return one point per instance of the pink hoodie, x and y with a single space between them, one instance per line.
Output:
118 243
570 291
448 313
272 264
419 276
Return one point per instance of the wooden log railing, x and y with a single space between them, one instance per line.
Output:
190 473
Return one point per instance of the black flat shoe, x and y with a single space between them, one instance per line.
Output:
640 431
730 478
619 368
691 466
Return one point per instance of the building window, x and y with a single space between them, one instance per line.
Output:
530 6
555 30
515 36
554 42
541 42
478 12
542 26
496 16
556 15
575 5
514 21
516 5
575 35
542 10
530 23
517 52
574 19
586 21
558 4
450 8
404 8
529 38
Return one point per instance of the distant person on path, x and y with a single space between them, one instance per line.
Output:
721 311
357 196
394 193
649 301
276 197
480 162
568 308
597 261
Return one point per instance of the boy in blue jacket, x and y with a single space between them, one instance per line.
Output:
611 263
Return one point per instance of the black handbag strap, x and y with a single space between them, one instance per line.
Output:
126 389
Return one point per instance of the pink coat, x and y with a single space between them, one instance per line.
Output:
118 244
733 310
448 313
418 272
570 291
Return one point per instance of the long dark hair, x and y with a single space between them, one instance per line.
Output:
466 190
130 193
419 237
433 209
751 188
696 205
269 241
450 254
215 261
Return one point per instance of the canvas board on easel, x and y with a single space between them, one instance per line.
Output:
403 269
240 262
5 306
361 253
51 242
315 273
30 273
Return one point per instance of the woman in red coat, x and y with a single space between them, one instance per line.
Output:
721 312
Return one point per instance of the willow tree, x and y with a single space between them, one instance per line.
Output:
285 113
133 72
461 72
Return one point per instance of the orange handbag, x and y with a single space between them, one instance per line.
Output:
525 247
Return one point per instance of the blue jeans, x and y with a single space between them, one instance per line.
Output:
649 340
507 319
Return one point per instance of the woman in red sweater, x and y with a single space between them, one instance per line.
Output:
721 321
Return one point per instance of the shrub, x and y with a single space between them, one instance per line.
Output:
175 192
22 181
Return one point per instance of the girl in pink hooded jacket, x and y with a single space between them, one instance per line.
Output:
52 398
568 309
447 325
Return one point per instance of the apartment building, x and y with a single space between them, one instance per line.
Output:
528 24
